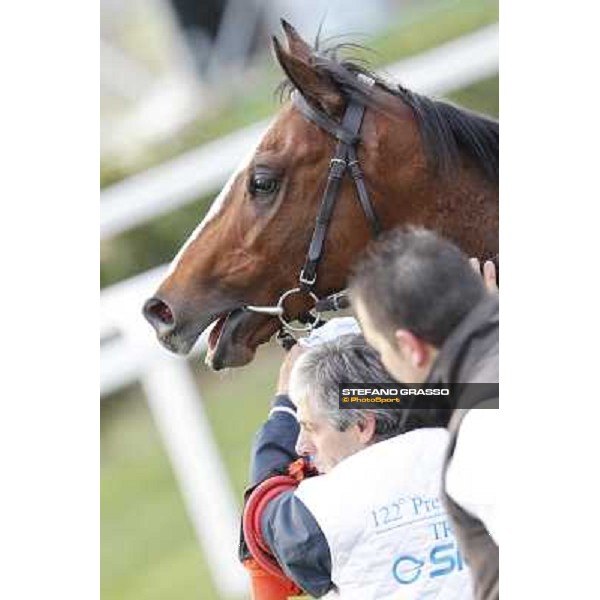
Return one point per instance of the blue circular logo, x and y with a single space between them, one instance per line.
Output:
407 569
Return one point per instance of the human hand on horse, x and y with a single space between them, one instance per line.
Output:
326 333
291 356
489 273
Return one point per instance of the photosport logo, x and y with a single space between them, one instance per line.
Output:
381 395
418 395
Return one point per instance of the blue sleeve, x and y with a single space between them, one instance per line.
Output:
287 526
274 445
297 542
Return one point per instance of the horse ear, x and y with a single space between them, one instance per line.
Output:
315 86
296 45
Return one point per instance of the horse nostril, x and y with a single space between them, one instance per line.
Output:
158 313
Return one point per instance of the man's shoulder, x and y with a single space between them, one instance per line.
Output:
471 478
370 468
470 353
480 422
482 364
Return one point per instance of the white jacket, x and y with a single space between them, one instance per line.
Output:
381 513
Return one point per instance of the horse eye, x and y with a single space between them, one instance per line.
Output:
263 184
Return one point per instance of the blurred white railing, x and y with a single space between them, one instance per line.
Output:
201 171
129 350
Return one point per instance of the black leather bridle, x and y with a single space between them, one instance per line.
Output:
345 160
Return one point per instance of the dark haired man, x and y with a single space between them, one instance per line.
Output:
428 313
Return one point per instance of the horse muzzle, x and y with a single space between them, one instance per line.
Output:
175 331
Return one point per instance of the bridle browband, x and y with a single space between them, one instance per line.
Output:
344 160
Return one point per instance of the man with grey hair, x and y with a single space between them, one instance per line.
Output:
357 531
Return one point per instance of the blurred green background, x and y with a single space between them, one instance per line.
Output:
148 549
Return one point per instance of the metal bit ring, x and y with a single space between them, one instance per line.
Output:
288 324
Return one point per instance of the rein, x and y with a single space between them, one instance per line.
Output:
345 160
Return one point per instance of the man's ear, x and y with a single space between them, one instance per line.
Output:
316 86
366 429
413 349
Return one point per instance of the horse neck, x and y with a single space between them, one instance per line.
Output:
462 206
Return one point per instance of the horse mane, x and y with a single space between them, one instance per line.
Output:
446 130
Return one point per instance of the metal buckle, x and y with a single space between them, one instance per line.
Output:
337 167
368 81
304 281
355 170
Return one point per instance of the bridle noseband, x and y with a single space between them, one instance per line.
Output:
344 160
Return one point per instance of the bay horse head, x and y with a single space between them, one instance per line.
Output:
424 162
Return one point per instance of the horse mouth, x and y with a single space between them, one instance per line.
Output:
234 337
